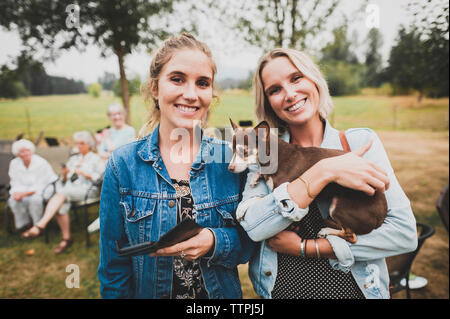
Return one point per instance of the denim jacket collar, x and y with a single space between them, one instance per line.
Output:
149 151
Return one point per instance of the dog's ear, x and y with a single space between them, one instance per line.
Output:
262 130
233 125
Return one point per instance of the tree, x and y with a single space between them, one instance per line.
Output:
134 87
107 80
283 23
10 84
373 67
340 64
407 63
340 48
247 83
419 59
431 20
116 27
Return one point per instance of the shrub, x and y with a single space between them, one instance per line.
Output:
95 89
342 78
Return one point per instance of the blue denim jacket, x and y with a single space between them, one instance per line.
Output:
265 217
137 205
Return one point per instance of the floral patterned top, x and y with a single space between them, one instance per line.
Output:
187 277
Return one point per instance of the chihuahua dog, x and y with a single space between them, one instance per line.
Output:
352 212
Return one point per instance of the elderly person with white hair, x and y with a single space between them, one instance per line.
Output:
118 134
29 174
79 174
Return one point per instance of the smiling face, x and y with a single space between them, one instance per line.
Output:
185 89
25 154
293 97
117 118
83 147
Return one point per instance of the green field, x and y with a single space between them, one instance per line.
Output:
62 115
418 149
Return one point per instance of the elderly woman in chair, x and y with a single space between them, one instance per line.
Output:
29 174
78 175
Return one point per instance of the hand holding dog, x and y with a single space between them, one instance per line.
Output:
352 171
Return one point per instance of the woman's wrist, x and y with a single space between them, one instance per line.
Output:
304 189
325 171
317 177
316 248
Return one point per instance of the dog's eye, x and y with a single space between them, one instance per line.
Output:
240 151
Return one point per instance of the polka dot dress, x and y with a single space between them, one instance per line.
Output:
312 278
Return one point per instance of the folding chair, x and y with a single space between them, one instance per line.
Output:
400 266
6 146
5 159
83 206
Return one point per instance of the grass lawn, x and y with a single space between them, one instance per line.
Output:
418 150
62 115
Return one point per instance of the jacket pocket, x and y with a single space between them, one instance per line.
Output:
218 216
138 213
226 219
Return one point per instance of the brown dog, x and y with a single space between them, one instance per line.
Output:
353 212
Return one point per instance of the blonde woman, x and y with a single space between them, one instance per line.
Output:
149 188
292 95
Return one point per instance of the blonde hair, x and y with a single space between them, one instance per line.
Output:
162 56
308 68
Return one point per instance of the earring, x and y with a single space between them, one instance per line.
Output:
157 104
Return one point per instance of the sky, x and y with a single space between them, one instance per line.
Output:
233 60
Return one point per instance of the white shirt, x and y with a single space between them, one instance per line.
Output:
91 164
34 178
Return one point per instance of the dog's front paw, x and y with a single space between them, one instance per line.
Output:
324 232
255 179
254 183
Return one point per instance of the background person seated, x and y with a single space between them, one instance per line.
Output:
78 175
118 134
29 174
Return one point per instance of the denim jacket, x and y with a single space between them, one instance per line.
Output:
138 205
265 217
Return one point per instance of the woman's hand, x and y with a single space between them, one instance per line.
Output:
352 171
18 196
64 172
287 242
192 248
81 173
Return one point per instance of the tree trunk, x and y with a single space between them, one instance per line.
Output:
279 23
293 17
124 84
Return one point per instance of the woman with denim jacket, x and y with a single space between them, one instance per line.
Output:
173 173
291 261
